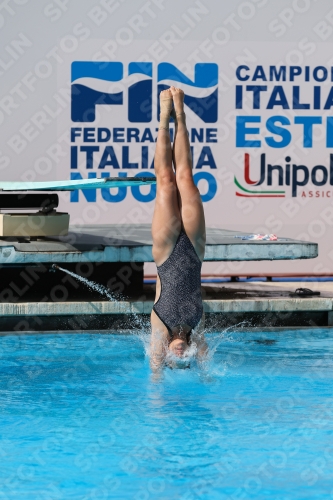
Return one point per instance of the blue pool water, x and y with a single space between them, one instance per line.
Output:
83 419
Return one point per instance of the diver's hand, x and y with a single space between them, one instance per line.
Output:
156 376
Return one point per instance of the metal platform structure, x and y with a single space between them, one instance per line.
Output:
133 243
248 305
112 255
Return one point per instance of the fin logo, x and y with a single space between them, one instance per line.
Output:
87 81
201 94
97 83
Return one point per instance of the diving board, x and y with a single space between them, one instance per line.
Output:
47 222
72 185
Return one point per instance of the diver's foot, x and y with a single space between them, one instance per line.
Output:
178 100
166 102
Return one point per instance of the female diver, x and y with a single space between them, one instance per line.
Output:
179 236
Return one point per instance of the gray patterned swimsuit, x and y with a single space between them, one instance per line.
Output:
180 301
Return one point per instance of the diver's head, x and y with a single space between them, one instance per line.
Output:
180 341
178 347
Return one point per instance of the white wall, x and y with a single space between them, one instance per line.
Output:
41 39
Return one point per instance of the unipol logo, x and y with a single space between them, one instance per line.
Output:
300 179
97 83
249 190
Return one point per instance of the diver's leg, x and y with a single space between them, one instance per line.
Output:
192 213
166 223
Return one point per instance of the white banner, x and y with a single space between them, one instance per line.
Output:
80 100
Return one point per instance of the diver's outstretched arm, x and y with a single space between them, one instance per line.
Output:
199 338
158 343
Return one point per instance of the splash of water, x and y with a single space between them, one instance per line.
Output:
226 335
185 361
142 324
142 332
92 285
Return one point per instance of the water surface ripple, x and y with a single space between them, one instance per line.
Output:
82 418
